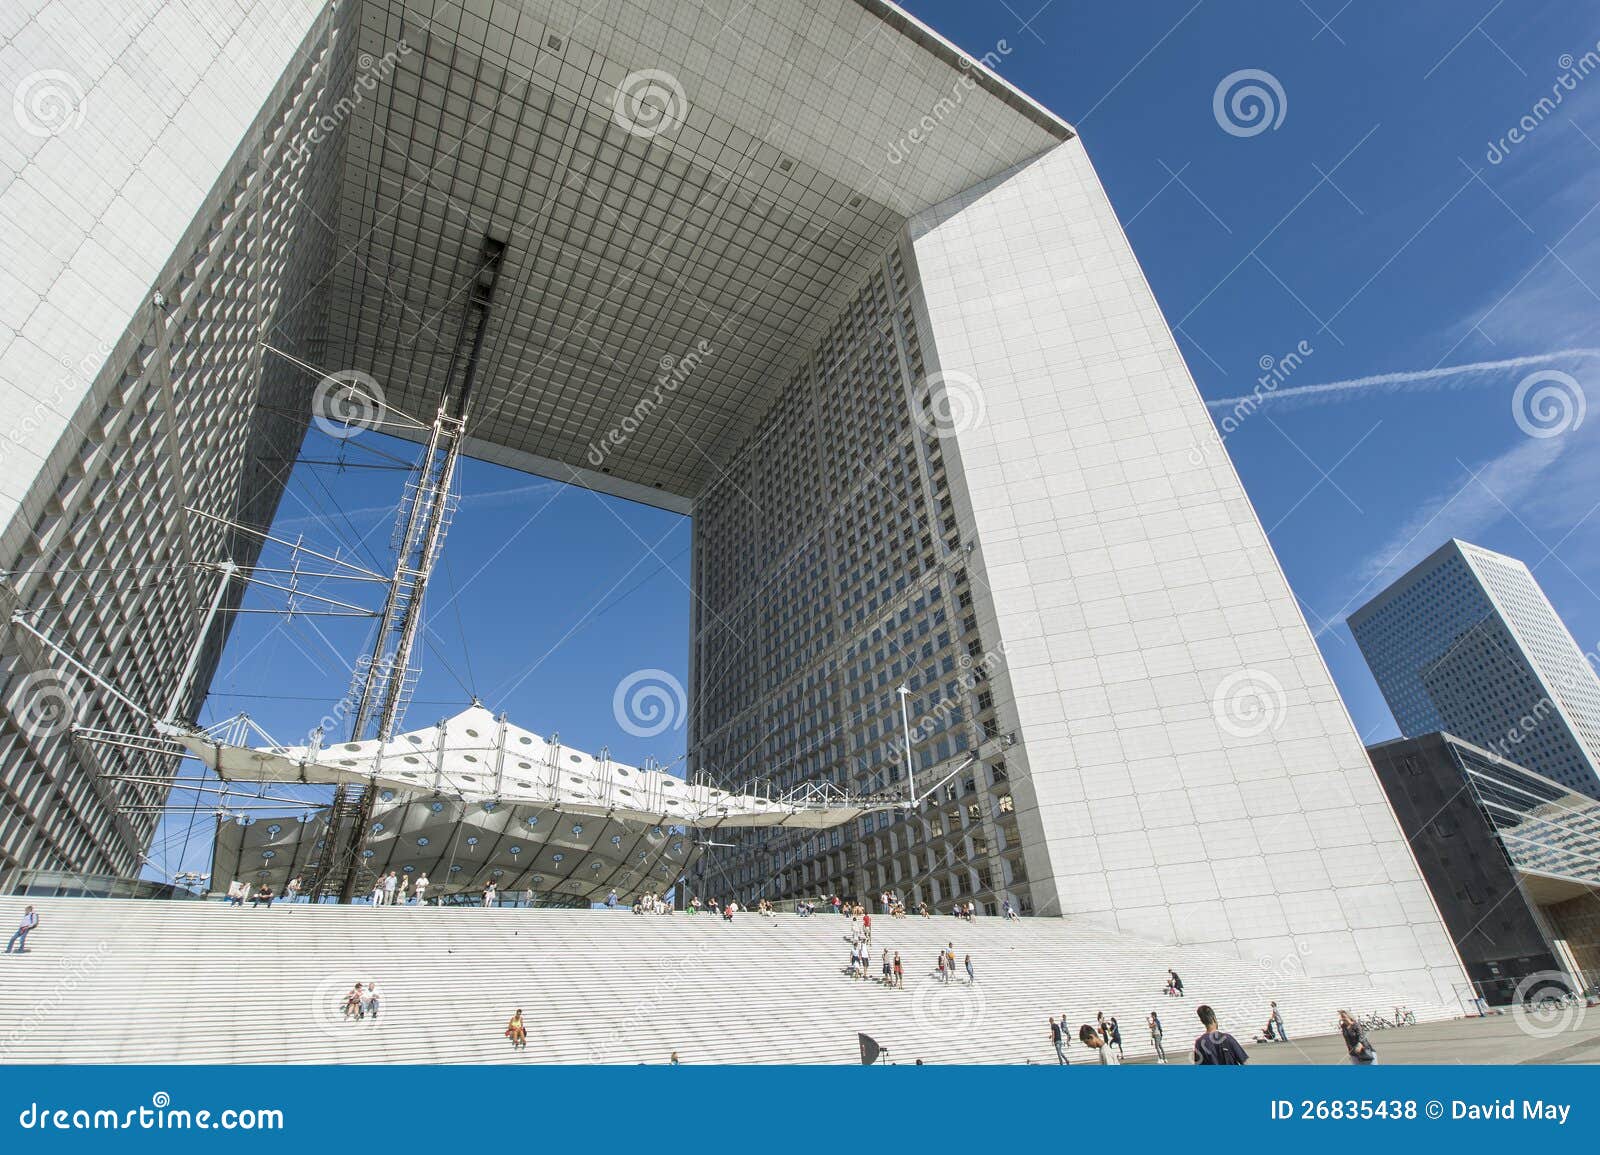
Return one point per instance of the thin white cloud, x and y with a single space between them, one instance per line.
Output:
1545 483
1476 373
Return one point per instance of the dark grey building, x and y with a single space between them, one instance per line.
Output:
1512 858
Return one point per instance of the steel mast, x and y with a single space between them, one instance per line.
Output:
383 681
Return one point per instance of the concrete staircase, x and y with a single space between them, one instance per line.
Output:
200 982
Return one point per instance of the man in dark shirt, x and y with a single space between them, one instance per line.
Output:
1216 1048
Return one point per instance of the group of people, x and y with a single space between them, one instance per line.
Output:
1103 1037
945 966
390 890
1212 1047
239 893
362 1002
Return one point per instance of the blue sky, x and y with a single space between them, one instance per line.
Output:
1370 224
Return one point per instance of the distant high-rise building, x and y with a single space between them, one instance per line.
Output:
1467 642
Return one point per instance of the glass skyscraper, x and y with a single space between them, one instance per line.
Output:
1467 642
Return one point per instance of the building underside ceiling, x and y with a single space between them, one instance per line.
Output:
688 195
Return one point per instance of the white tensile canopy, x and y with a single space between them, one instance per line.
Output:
475 756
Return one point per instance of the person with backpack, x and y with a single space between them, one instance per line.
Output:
1215 1047
1356 1041
30 920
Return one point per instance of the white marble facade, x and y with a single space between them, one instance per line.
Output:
1192 773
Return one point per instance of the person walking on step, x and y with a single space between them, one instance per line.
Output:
1114 1035
377 892
517 1032
949 960
1058 1041
1215 1047
19 940
1098 1047
391 883
899 971
1356 1042
888 970
971 978
1275 1021
1156 1032
866 927
421 889
943 976
291 892
400 890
